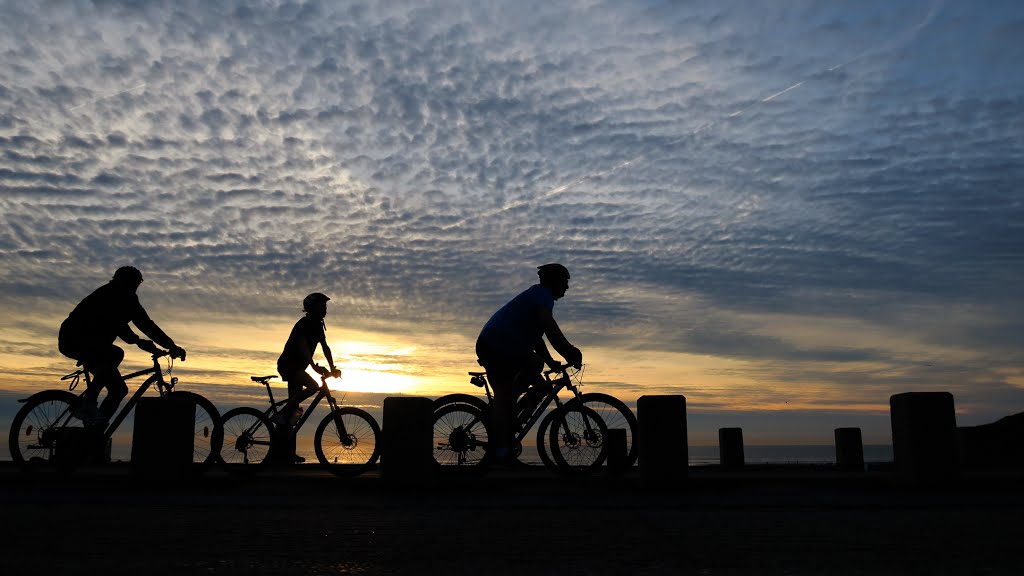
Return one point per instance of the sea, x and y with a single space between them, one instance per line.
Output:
764 454
788 454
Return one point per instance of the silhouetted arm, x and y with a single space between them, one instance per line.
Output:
571 353
143 322
541 349
128 335
327 355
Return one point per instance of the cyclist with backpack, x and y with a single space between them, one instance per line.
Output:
88 335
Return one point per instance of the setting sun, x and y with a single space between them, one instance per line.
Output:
372 381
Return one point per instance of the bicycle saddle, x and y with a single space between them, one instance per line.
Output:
478 373
262 379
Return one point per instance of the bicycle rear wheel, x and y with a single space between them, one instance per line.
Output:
208 434
577 439
246 440
461 439
347 441
35 430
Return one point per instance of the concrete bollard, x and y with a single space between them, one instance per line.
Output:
849 450
163 439
661 440
72 447
730 447
283 447
924 438
407 451
615 450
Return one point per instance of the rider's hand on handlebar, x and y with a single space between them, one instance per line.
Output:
336 372
575 358
147 345
177 352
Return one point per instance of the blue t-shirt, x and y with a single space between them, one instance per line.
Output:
515 328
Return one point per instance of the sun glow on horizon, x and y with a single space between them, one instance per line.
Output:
359 380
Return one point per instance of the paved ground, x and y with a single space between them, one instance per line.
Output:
763 521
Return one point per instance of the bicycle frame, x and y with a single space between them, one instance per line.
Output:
322 392
563 381
157 378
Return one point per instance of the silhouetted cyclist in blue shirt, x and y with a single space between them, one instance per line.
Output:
88 335
511 348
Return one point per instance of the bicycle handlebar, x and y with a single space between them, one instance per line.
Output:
562 368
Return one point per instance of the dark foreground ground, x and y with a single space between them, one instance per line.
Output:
782 520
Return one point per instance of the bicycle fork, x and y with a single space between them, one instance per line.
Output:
346 439
591 433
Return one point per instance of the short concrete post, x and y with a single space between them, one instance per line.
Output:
730 447
924 437
661 440
72 447
283 447
164 436
407 451
849 450
615 451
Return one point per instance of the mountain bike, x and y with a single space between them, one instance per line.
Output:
47 416
347 441
570 438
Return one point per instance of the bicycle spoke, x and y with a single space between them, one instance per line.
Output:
247 438
346 441
577 439
32 439
460 436
616 415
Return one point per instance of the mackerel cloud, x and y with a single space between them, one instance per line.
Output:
418 159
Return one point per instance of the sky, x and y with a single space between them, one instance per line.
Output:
786 212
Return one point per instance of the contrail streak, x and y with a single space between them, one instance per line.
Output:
933 9
794 86
105 97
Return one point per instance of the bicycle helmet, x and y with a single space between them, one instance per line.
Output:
128 274
553 271
313 300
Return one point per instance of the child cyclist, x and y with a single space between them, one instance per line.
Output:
309 331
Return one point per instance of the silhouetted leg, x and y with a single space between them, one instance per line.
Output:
102 363
116 391
300 387
501 418
507 389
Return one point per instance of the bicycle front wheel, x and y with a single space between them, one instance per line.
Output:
461 438
347 441
208 434
34 431
543 441
577 439
615 414
246 440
